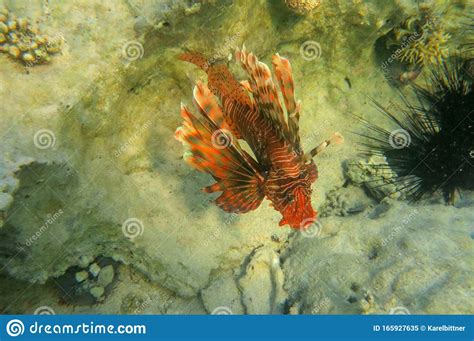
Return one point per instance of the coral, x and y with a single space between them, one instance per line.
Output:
373 263
344 201
261 284
24 42
87 284
256 287
9 182
302 6
422 41
194 8
375 175
223 291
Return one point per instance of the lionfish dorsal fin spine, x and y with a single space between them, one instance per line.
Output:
263 90
196 58
285 117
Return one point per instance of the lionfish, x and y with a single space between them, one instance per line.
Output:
251 111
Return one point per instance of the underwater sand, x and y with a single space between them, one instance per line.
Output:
99 213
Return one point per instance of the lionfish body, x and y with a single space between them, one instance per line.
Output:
250 111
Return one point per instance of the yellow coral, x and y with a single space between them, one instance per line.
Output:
302 6
429 48
23 41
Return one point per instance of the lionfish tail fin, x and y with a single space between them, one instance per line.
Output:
214 149
195 58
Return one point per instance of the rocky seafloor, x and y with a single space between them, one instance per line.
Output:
99 213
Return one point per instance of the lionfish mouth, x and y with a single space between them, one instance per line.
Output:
299 214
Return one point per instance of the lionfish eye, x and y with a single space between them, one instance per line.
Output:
290 198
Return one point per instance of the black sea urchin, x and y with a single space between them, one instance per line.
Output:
432 147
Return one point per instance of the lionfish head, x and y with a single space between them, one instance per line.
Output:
298 213
291 196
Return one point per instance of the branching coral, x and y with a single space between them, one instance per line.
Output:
422 41
428 49
24 42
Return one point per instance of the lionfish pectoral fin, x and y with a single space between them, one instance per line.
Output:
238 195
246 86
206 102
213 149
242 189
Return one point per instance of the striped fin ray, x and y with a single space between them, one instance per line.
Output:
208 106
284 75
263 90
213 149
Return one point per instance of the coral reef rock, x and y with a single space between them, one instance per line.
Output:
261 283
374 175
378 265
344 201
302 6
